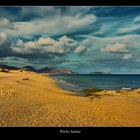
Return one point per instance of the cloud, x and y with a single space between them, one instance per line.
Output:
39 11
47 35
136 19
14 61
46 41
46 46
80 49
4 22
55 25
103 29
45 21
80 20
115 48
47 11
129 28
3 37
97 42
127 56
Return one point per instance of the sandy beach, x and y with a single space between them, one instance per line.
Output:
31 99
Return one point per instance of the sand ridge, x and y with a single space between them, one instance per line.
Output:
30 99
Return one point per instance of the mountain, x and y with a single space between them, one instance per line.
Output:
52 70
48 70
61 71
8 67
29 68
26 68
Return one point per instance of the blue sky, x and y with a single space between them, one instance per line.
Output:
84 39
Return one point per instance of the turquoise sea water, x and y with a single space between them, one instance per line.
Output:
77 82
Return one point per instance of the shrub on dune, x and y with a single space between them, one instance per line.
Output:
25 79
4 70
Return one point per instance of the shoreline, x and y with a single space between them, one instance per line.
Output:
31 99
82 82
90 91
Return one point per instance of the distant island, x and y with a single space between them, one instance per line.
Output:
102 72
47 70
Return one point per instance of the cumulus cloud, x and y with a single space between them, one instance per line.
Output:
115 48
3 37
46 45
80 49
46 41
4 22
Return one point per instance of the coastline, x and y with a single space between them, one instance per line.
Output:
31 99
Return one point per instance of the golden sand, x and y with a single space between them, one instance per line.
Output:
30 99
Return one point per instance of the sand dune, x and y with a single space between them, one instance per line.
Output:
30 99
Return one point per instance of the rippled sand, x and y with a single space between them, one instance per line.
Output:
30 99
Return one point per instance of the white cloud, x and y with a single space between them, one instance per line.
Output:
127 56
3 37
54 25
80 21
47 21
41 11
19 43
129 28
46 11
78 9
94 41
24 28
4 22
65 40
80 49
46 41
30 44
115 48
45 45
136 19
103 29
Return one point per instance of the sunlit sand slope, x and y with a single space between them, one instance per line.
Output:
30 99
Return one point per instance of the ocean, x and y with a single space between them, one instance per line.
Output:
78 82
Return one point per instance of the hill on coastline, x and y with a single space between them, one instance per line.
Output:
8 67
49 70
28 68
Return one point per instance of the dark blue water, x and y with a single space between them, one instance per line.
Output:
77 82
